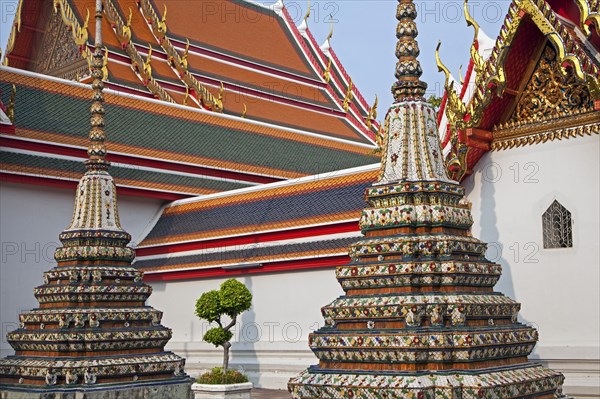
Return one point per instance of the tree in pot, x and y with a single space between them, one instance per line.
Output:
232 299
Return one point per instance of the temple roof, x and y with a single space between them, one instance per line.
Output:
300 223
158 149
238 57
497 77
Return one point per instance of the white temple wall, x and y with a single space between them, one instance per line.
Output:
559 289
271 340
31 218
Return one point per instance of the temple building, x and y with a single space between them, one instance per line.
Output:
241 147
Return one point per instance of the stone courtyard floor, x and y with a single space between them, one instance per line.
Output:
270 394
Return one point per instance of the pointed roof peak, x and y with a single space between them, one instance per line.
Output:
408 68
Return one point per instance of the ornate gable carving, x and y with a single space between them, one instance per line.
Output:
59 55
549 93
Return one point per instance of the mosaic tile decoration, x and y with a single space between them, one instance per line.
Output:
419 317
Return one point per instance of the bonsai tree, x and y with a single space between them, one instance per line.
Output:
232 299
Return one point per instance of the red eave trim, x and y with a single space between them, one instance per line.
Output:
7 129
289 265
72 185
254 238
151 163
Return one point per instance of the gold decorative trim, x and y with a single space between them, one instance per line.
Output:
564 126
549 93
10 109
327 72
202 96
587 18
372 113
492 75
140 66
349 97
16 27
478 61
80 34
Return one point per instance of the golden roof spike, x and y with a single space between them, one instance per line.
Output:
460 75
183 62
478 61
408 69
330 35
81 34
96 148
10 110
327 72
440 64
187 95
105 65
456 109
243 115
372 113
162 24
307 15
349 96
147 67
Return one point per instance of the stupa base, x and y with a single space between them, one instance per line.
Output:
530 381
177 389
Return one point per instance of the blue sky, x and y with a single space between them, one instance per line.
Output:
364 36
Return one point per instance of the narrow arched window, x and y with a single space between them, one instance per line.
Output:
557 227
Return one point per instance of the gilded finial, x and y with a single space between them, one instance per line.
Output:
408 69
187 95
221 92
105 65
327 72
81 35
307 15
243 115
455 109
183 62
10 110
478 61
148 63
372 113
349 96
126 31
460 75
330 35
96 148
440 64
18 16
162 24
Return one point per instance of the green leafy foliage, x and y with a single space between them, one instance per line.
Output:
217 336
232 299
235 298
217 377
208 306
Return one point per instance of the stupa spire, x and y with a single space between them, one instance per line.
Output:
419 318
97 148
411 149
93 335
408 68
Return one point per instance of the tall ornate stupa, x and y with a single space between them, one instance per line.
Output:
92 336
419 318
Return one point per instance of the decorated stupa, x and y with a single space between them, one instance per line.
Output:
419 318
92 336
